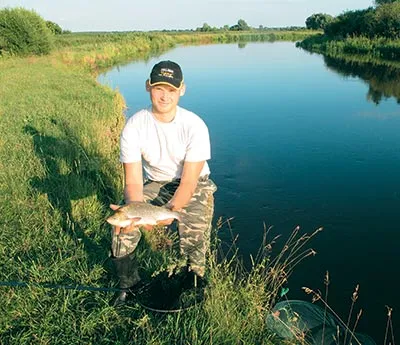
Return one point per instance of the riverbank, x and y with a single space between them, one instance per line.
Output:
377 49
59 171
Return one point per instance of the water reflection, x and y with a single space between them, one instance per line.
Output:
383 80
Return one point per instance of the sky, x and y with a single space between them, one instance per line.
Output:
146 15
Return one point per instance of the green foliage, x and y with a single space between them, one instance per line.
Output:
351 23
382 2
23 32
243 25
383 21
380 50
373 31
205 28
240 26
318 21
387 18
54 27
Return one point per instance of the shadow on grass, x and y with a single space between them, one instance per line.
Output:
71 174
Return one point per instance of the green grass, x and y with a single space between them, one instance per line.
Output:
379 49
59 171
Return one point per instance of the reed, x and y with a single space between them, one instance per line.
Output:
377 48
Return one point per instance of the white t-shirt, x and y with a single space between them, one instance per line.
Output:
164 147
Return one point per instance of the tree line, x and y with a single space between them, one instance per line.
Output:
242 25
381 20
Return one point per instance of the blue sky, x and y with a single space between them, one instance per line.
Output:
127 15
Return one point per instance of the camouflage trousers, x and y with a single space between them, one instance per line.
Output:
194 229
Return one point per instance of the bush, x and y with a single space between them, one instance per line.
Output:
383 21
54 27
23 32
351 23
318 21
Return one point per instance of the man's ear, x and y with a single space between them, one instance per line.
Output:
147 85
182 90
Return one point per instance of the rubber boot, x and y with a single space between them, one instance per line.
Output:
126 270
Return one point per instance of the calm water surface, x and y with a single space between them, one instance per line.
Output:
295 142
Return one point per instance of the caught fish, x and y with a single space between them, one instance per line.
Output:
141 213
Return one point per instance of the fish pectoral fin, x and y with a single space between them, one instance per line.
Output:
115 207
134 219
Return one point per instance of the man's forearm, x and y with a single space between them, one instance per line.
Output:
133 192
183 195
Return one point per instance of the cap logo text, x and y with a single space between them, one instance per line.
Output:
167 73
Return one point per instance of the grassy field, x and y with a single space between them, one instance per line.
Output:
59 171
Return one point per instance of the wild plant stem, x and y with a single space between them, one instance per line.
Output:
326 299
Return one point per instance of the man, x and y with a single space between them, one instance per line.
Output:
167 147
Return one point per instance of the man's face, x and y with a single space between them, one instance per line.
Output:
164 98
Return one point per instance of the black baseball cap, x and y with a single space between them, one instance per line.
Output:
167 72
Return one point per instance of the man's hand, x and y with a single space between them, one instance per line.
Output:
118 229
166 221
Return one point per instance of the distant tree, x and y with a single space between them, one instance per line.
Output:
318 21
240 26
205 28
243 25
54 27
